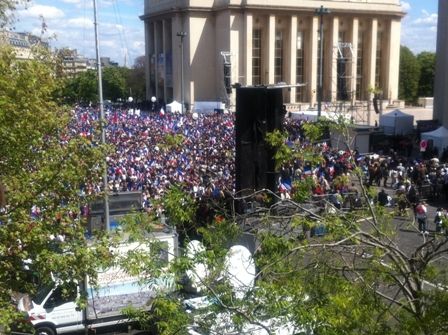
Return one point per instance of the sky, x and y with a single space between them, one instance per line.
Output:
69 23
419 26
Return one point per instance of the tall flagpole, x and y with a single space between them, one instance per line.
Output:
102 118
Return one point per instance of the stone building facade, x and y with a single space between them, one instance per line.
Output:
22 43
270 42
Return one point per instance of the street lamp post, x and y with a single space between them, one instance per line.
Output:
321 12
102 119
182 34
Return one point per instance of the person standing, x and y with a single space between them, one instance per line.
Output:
384 171
421 213
382 198
438 219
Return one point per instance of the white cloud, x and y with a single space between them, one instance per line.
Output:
406 6
138 45
426 19
47 12
112 28
419 31
70 24
80 22
108 43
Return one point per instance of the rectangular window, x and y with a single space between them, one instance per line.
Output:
343 60
256 57
320 63
378 65
360 68
278 59
300 64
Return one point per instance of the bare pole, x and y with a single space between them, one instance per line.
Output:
102 118
182 34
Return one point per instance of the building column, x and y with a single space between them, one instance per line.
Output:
176 27
371 55
371 63
148 53
292 58
248 24
164 48
312 61
333 48
354 64
393 63
271 49
156 53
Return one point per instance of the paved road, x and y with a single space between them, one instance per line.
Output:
408 236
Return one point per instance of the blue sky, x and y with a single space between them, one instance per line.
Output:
70 24
419 26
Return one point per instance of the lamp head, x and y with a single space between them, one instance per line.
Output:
322 11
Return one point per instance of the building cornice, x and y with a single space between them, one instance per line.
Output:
357 9
373 7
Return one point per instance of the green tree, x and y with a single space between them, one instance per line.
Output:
136 79
357 279
114 83
42 169
80 89
84 86
427 62
7 8
409 76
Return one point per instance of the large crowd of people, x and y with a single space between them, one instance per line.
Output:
145 160
201 154
410 182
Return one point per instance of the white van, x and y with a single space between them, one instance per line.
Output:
53 310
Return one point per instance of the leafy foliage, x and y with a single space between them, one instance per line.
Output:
302 189
172 142
180 208
355 279
427 62
136 79
283 153
7 8
41 168
80 89
114 83
409 75
167 316
118 84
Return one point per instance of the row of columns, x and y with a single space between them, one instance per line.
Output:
391 48
161 38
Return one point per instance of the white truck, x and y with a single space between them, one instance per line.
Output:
52 311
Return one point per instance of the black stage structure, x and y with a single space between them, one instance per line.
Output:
259 110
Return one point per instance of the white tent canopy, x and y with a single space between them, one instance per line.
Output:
397 123
174 107
311 115
208 107
439 138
